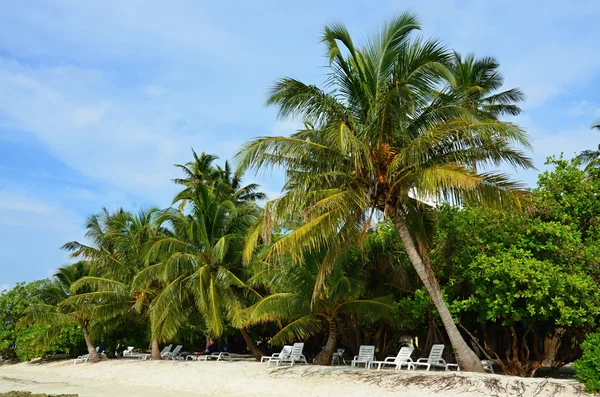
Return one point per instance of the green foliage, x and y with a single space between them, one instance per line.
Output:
515 287
567 195
411 313
12 306
491 232
70 341
587 368
292 286
22 343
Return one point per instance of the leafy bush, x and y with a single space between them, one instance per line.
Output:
69 342
19 343
587 368
12 305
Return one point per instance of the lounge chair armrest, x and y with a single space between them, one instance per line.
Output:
355 358
423 360
389 359
442 361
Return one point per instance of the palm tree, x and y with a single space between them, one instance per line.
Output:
383 137
230 187
477 81
290 301
202 174
590 158
121 242
62 309
199 263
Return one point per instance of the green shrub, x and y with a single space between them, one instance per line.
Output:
587 368
69 342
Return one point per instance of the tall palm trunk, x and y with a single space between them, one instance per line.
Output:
325 355
465 357
256 352
94 356
155 349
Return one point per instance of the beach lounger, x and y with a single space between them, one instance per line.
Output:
286 350
403 358
294 356
174 354
366 354
434 360
130 354
488 365
84 358
214 356
165 350
337 356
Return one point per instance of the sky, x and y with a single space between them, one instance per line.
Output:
98 99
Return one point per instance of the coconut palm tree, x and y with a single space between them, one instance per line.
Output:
61 310
387 133
121 242
230 187
199 263
201 174
290 301
590 158
477 81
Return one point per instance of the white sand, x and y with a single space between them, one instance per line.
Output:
244 378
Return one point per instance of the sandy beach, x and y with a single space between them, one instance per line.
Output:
247 378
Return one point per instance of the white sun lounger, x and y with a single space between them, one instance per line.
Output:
285 351
294 356
434 360
130 354
488 365
174 354
366 354
84 358
213 356
403 358
165 350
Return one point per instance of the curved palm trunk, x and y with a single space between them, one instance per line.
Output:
155 349
256 352
465 357
325 355
94 356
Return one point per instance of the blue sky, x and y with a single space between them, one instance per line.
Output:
98 99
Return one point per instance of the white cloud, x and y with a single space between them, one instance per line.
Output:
84 116
126 141
34 228
582 108
11 201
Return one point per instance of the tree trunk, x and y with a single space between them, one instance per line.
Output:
155 349
466 358
94 356
326 354
552 343
256 352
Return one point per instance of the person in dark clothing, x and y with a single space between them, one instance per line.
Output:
212 347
